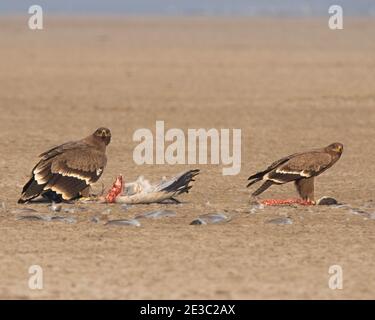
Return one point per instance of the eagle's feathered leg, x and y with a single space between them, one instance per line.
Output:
305 188
86 196
85 193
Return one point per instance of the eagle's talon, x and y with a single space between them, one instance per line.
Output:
90 198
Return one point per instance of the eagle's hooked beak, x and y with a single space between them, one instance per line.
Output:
338 149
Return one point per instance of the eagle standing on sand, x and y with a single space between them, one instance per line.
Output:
301 168
66 172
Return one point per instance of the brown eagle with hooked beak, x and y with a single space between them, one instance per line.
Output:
302 168
66 172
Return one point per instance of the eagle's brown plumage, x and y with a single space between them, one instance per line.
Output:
67 171
300 168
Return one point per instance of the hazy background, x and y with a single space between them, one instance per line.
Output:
192 7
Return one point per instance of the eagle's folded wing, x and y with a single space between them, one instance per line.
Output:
74 170
66 170
301 166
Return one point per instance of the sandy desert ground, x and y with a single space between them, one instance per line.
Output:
289 84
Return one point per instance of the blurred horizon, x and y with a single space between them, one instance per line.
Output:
275 8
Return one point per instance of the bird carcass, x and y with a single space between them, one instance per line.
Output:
142 191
